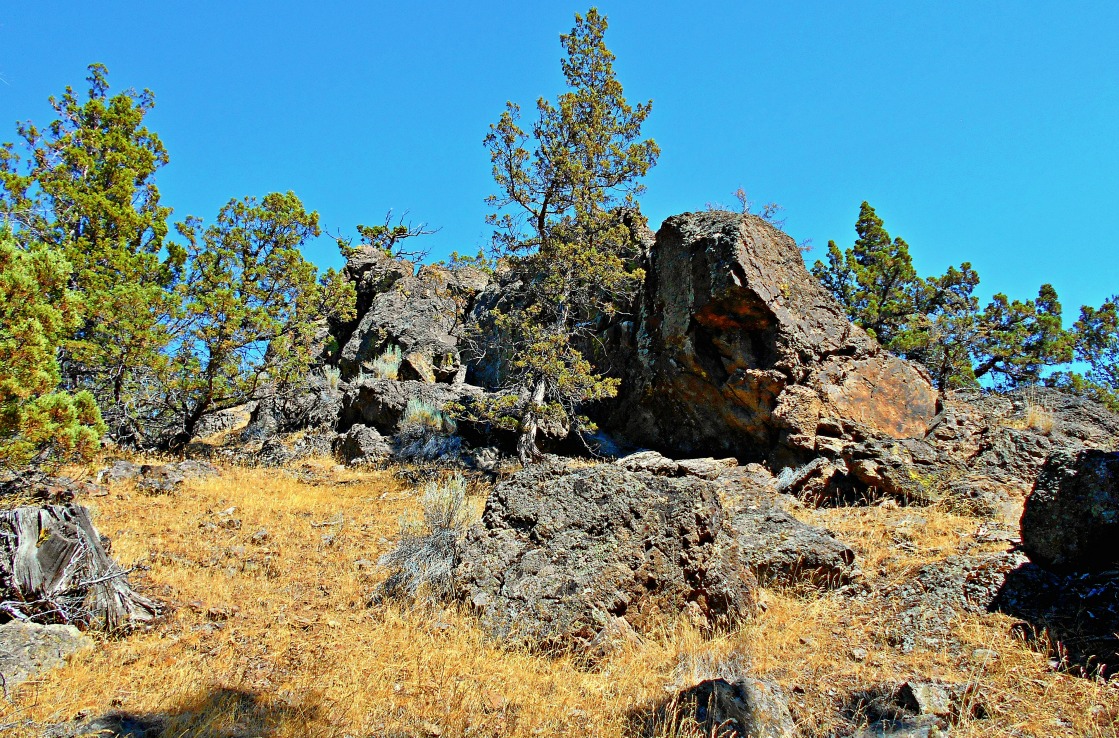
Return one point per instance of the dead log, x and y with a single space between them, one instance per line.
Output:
54 569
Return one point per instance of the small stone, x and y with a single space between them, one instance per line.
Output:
984 655
858 654
260 536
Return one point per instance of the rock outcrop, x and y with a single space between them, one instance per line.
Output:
362 445
566 559
418 313
737 349
981 453
1071 520
383 403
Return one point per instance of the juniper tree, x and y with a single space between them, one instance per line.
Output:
38 422
1096 343
251 305
557 232
937 320
85 186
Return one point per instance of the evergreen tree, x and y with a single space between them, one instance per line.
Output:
86 188
1096 341
251 305
1015 340
937 320
559 234
37 421
875 279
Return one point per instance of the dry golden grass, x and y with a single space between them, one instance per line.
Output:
273 636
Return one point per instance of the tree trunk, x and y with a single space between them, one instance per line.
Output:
54 569
526 445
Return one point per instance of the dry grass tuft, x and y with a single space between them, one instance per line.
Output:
269 574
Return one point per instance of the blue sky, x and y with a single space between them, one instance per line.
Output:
981 131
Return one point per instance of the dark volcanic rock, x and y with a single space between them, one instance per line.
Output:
773 544
1074 616
362 445
779 548
743 708
1071 520
316 403
382 403
565 558
421 314
739 350
1007 437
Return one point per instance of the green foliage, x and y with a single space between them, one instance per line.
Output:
390 237
251 305
1096 340
387 365
558 230
86 189
423 416
37 421
937 320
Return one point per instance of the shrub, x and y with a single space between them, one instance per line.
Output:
423 560
422 415
387 365
39 422
333 377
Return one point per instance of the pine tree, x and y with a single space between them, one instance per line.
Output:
39 423
86 188
251 305
937 320
559 235
1096 343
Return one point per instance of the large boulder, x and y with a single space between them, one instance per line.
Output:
780 549
566 558
362 445
416 316
383 403
1071 520
738 350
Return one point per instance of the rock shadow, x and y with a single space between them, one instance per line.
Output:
220 713
1074 617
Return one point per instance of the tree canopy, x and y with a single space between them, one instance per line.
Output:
38 421
85 187
937 320
559 233
158 332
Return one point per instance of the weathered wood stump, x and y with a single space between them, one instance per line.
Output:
54 569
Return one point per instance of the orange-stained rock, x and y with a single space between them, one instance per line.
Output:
738 350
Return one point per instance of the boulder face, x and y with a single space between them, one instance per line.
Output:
737 349
27 650
383 403
1071 520
568 559
418 313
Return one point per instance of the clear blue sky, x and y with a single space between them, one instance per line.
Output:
981 131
